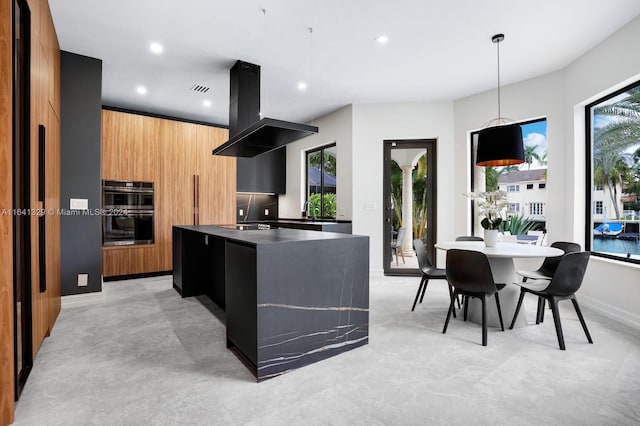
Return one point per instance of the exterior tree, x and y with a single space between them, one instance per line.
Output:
611 168
530 154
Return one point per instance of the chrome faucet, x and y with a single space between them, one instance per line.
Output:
305 209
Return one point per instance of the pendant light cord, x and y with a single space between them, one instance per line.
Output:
498 47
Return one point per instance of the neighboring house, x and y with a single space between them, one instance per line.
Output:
526 193
603 208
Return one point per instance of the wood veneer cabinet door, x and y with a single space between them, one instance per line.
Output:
217 175
175 187
52 221
129 260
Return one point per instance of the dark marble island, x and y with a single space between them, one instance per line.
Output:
291 297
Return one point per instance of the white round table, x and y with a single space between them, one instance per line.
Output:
501 261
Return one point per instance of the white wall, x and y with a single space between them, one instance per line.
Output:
609 286
535 98
374 123
335 127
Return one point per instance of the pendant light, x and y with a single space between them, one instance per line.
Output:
499 143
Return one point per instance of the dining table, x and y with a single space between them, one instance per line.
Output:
501 260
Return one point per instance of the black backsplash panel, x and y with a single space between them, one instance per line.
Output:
253 207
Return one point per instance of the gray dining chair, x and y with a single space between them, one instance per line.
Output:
428 272
470 275
469 238
546 271
564 284
397 244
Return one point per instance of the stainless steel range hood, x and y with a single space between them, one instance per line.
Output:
249 134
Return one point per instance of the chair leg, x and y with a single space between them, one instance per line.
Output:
466 305
446 323
396 252
542 307
499 311
402 255
581 318
483 299
458 300
424 289
422 283
452 298
553 302
515 314
540 310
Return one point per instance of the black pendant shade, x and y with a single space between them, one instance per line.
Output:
500 146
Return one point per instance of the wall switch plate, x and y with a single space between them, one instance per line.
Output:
340 212
78 204
266 212
241 212
83 280
369 206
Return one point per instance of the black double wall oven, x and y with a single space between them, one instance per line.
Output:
128 213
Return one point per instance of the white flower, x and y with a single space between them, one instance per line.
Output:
490 205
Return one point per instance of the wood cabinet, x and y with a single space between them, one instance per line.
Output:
176 156
45 169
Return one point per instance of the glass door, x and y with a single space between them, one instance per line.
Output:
409 203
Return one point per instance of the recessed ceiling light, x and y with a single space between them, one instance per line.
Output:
302 86
141 90
382 39
206 103
156 48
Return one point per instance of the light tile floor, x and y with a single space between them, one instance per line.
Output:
145 356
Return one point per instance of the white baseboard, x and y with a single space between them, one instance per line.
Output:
82 299
610 311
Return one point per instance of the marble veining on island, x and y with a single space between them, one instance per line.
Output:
291 297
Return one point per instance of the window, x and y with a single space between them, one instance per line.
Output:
536 209
598 207
321 182
511 178
613 175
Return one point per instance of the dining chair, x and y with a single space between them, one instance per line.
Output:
564 284
428 272
469 238
470 275
397 244
546 271
540 236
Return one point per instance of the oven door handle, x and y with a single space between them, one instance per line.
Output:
131 212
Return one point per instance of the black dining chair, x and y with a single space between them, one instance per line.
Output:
470 275
397 244
564 284
469 238
546 271
428 272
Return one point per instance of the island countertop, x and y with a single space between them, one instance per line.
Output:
291 297
265 236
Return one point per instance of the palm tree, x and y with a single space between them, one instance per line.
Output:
611 168
530 154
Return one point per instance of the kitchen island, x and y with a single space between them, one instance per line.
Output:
291 297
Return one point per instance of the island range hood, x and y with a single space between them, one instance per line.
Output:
250 135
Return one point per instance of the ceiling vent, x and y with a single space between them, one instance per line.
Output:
199 88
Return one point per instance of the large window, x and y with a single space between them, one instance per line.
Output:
525 184
321 182
613 175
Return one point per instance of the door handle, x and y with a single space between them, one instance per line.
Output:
196 199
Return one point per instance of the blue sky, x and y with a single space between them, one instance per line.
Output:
535 134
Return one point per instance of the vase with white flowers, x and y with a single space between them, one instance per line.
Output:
490 206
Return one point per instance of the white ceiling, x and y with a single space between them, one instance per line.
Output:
438 50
